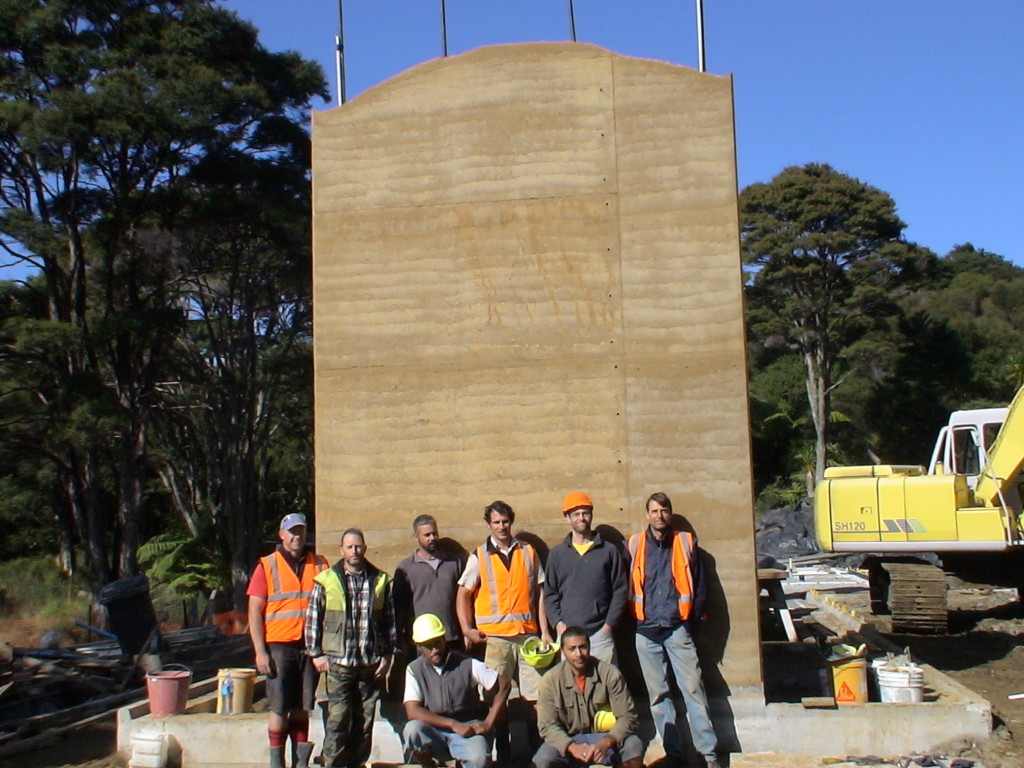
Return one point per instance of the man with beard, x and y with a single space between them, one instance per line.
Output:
500 605
447 719
278 597
351 636
428 580
584 558
667 592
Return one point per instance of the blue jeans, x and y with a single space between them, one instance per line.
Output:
678 655
549 757
602 646
472 752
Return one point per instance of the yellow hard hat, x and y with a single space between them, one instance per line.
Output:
427 627
604 719
538 654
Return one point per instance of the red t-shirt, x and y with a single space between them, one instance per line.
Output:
258 583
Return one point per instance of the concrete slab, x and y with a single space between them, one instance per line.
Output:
202 739
950 712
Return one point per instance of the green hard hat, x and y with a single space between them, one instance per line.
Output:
538 654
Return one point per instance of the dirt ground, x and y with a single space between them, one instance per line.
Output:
983 651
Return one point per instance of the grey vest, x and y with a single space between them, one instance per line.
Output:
452 693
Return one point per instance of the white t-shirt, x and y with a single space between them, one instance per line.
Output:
483 676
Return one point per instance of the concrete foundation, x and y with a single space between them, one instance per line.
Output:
950 712
202 739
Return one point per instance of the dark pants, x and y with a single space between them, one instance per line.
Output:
352 695
294 684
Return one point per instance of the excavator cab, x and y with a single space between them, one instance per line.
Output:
964 443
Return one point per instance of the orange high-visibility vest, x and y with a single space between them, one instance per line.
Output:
287 596
504 601
682 553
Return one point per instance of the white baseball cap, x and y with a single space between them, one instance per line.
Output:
293 520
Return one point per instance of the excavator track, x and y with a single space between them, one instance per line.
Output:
916 598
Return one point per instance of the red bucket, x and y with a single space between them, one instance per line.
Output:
168 692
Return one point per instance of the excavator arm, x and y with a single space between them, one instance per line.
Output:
1006 457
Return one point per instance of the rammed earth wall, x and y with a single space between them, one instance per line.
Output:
526 282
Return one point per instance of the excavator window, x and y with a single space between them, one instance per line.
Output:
965 451
991 431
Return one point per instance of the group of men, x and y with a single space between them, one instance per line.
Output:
308 618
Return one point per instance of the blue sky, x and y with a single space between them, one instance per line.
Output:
921 98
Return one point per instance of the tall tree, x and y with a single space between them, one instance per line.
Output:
978 294
244 360
824 256
107 110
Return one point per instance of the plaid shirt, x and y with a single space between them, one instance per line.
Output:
363 643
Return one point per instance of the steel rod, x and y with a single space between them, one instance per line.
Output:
701 63
444 31
339 55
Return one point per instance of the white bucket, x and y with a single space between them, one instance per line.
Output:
149 750
900 684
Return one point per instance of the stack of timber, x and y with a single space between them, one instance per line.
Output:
44 690
45 693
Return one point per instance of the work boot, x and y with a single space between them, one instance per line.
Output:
277 757
303 751
421 757
633 762
711 762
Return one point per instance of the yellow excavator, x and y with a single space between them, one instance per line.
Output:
965 508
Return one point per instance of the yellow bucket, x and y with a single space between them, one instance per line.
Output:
850 679
235 690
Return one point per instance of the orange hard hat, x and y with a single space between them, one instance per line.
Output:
575 500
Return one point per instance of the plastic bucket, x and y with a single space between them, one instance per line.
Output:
900 684
149 750
168 691
236 696
850 679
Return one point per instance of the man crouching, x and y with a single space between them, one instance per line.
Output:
442 701
577 702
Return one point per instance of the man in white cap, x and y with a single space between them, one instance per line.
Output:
278 597
447 718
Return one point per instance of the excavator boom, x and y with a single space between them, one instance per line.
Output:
1006 456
